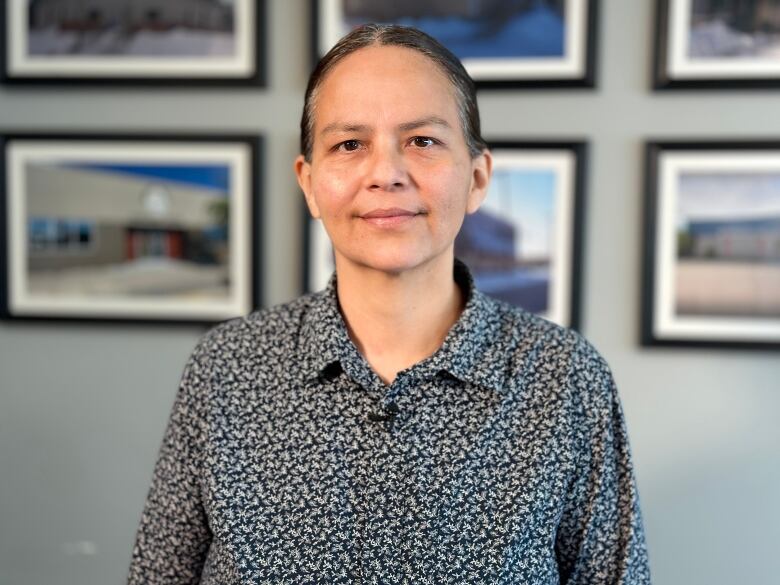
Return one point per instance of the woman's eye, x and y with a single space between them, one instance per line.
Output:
423 141
350 145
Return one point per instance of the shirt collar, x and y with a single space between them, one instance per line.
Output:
464 354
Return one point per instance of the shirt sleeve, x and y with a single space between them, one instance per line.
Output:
173 537
600 537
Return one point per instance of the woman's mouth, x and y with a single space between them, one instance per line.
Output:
390 216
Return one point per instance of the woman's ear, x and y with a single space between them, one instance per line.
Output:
303 174
481 170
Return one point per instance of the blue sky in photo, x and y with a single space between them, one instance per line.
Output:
204 176
526 198
538 32
708 195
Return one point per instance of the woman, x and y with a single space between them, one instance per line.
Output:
399 426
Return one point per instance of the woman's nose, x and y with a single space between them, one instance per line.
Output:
387 170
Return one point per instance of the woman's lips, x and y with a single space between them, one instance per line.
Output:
389 217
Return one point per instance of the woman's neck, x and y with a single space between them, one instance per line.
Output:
396 320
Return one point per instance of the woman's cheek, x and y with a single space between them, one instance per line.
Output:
331 193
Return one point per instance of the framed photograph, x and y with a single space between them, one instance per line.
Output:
546 43
159 228
712 244
717 44
132 42
525 243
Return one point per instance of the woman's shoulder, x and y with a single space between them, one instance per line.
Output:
529 328
532 340
275 326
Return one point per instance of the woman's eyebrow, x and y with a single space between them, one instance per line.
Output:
427 121
404 127
342 127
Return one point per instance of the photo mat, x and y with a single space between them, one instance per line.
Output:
717 44
713 248
129 228
122 41
545 43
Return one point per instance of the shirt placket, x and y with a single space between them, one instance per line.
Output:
387 498
377 470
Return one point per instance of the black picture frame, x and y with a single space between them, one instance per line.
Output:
674 70
690 282
179 242
528 73
249 69
566 161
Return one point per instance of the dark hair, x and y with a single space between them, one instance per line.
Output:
398 36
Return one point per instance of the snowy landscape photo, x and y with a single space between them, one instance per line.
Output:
191 28
718 44
735 29
497 40
133 39
500 29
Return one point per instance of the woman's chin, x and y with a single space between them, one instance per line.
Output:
389 265
392 263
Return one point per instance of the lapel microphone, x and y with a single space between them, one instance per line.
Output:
387 413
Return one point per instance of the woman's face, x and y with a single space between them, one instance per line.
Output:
390 174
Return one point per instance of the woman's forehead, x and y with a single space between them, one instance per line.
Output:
384 79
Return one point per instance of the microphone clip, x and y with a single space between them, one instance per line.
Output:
388 413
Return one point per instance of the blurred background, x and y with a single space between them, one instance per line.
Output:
83 406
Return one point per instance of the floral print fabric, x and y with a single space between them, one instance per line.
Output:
502 458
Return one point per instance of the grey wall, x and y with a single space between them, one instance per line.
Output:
82 407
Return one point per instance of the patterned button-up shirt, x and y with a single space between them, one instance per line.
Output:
501 458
